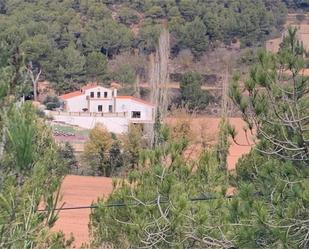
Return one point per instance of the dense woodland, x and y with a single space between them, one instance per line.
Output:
167 200
172 202
71 41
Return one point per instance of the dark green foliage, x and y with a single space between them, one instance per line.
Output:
54 37
125 74
51 102
277 104
272 203
110 39
189 9
96 66
66 153
58 36
148 37
155 12
194 36
104 154
116 157
270 207
223 143
272 180
128 16
177 221
193 97
21 134
31 172
295 4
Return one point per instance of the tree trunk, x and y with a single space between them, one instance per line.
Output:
35 80
158 79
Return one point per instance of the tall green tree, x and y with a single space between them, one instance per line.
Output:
132 144
96 152
277 105
67 68
272 205
194 36
30 175
111 38
157 212
96 66
192 95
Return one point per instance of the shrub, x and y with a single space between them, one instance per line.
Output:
128 16
155 12
51 102
192 95
300 17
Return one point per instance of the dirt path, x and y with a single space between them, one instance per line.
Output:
175 85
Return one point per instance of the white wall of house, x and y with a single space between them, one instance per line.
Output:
100 99
130 106
116 125
101 90
76 104
104 103
91 99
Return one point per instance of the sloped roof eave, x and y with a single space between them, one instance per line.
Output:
70 95
135 99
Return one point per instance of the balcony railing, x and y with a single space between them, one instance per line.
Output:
89 114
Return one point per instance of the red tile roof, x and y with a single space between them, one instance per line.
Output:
70 95
78 93
93 85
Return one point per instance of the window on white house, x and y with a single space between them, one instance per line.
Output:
105 94
100 108
110 108
98 94
91 94
136 114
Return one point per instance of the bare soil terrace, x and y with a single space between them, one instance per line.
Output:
78 191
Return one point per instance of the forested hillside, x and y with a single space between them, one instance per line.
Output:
171 188
297 4
71 41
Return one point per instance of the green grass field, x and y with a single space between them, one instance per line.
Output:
70 129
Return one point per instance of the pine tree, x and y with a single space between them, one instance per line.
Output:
277 105
30 175
158 212
272 208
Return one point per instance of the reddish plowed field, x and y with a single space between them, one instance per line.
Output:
80 191
208 128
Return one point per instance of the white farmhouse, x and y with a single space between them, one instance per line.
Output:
96 104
